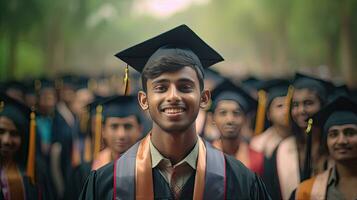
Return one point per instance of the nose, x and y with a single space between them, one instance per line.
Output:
301 108
342 139
120 132
5 138
173 95
230 118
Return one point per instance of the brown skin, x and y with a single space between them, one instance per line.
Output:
173 100
342 146
47 101
305 103
229 118
10 139
120 133
277 116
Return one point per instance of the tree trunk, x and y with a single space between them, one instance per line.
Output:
12 56
347 60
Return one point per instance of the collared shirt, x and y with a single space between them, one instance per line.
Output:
332 190
182 170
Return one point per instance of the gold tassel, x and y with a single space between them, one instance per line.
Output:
30 170
126 81
98 130
260 118
309 126
87 149
288 99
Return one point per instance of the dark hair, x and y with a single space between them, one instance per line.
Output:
170 64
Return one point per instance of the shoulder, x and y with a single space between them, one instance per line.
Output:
258 141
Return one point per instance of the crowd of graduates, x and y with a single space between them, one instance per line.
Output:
54 132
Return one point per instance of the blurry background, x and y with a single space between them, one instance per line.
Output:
265 38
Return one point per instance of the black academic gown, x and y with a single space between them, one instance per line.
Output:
270 176
78 178
241 184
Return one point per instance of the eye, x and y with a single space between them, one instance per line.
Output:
114 126
186 88
295 104
222 113
350 132
2 131
160 88
128 126
309 102
238 113
332 134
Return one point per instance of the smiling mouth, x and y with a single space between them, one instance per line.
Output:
173 111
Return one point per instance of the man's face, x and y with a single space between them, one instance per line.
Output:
120 133
229 118
47 100
173 100
278 111
10 139
305 103
342 142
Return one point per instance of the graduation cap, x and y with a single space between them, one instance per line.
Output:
24 120
228 91
114 106
179 42
322 87
274 88
339 111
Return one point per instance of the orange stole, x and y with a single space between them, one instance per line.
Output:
14 182
314 188
143 178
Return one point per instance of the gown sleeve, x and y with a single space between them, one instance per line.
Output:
99 184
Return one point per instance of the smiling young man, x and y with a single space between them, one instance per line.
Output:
172 162
230 107
339 123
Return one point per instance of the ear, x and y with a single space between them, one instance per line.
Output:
143 100
205 99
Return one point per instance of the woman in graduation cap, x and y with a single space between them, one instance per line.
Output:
22 175
309 96
172 162
230 107
338 121
268 141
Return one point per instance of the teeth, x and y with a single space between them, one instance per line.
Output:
173 110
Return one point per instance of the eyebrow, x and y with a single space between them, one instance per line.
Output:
163 80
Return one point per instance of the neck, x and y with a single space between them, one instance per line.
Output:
282 131
347 169
174 146
230 146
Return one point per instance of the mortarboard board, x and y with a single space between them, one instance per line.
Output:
179 43
181 37
228 91
120 106
322 87
339 111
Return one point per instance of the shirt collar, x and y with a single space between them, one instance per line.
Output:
333 179
190 159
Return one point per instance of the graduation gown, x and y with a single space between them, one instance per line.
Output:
78 178
241 183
